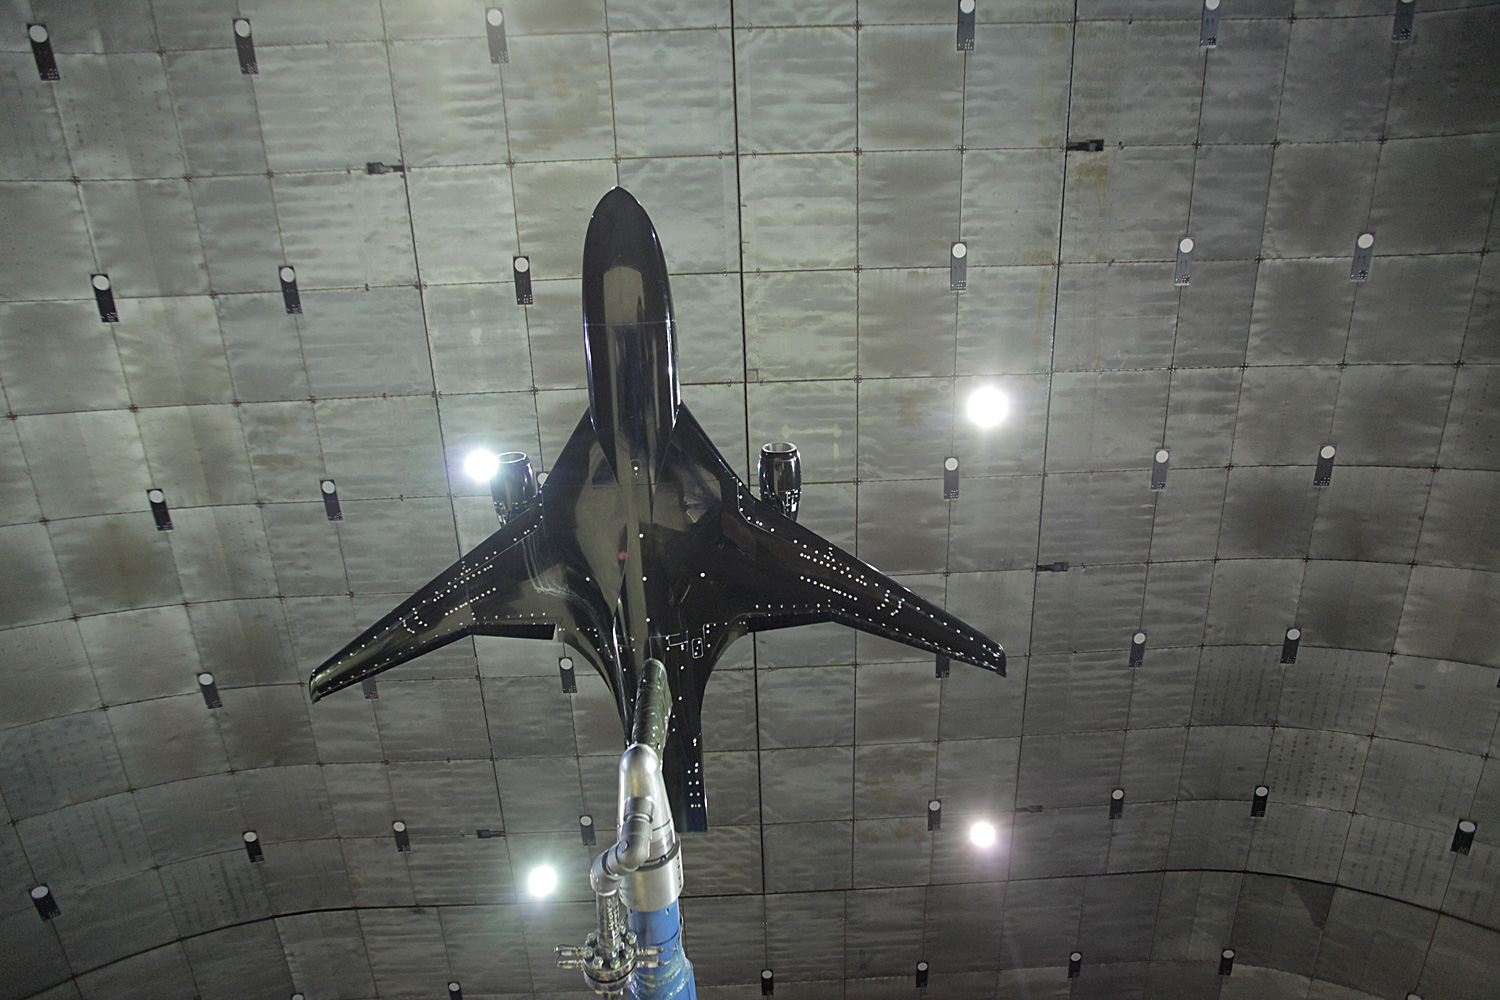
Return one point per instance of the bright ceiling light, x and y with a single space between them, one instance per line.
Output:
481 465
982 834
987 406
541 881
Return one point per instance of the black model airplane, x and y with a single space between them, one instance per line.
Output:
642 542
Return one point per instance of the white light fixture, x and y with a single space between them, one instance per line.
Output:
982 834
987 406
481 465
542 881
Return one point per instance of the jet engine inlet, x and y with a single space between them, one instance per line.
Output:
513 486
781 476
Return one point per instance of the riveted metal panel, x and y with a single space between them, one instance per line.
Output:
694 207
694 116
803 857
1397 860
449 101
800 211
113 563
464 221
1008 213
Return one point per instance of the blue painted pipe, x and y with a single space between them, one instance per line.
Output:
672 979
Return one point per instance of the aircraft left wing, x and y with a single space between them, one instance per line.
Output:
511 584
766 571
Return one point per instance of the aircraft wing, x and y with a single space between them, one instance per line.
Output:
768 572
515 583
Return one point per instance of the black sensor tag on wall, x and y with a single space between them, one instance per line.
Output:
1289 645
403 838
966 25
1208 31
521 268
45 903
1159 463
41 50
942 666
950 478
586 830
569 679
1138 649
1323 475
104 297
1258 804
958 266
1075 964
1117 803
244 44
494 29
1364 254
1405 20
921 975
331 500
1226 961
1184 273
289 294
209 690
158 501
371 688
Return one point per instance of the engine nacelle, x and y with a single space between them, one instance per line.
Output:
781 476
513 486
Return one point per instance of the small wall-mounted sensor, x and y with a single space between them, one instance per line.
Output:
1404 21
521 268
1075 964
289 293
958 267
371 688
1137 649
494 29
403 839
950 478
158 501
943 668
1159 463
41 51
921 975
1226 961
209 690
244 44
330 491
1364 253
1208 29
966 25
565 671
42 899
1117 803
455 991
1463 836
586 830
1258 803
1184 273
104 298
1289 645
252 846
1323 474
935 814
767 983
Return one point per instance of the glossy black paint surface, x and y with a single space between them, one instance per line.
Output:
643 542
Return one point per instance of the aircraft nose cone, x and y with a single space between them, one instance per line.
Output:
624 272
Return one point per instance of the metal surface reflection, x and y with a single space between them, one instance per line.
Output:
643 543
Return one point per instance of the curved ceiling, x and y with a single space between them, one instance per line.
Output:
809 166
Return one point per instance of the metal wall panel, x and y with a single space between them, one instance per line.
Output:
450 105
1416 312
215 108
172 351
114 562
345 229
44 246
57 763
694 115
801 211
47 669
